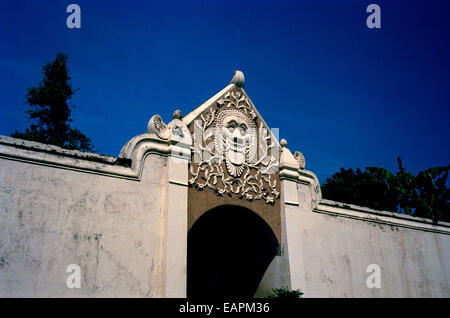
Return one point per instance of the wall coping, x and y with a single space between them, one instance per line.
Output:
120 167
392 219
40 147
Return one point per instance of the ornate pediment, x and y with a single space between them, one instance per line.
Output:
233 153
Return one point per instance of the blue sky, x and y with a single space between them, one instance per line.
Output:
343 94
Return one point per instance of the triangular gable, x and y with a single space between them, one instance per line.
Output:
203 108
234 152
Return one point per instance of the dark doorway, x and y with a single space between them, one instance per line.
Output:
229 250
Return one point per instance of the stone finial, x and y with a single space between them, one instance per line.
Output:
238 79
177 114
288 164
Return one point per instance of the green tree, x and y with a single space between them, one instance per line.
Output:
433 196
424 195
371 188
50 111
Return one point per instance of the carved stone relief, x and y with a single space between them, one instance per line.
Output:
300 158
232 153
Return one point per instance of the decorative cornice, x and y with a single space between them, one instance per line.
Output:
184 184
291 203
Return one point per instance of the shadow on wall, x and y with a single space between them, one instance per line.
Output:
229 250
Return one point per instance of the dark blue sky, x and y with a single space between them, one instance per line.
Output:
343 94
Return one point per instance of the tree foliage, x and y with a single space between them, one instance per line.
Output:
51 108
424 195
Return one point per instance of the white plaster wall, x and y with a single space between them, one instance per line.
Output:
121 228
111 227
288 268
337 248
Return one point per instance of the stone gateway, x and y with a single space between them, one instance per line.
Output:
209 204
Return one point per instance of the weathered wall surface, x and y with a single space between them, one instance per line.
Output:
328 247
52 216
340 241
124 222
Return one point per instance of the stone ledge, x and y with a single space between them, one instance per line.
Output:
55 150
340 209
53 156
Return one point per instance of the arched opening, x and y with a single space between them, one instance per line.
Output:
229 250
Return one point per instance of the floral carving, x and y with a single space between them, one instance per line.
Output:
228 156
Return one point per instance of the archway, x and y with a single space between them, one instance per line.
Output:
229 250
